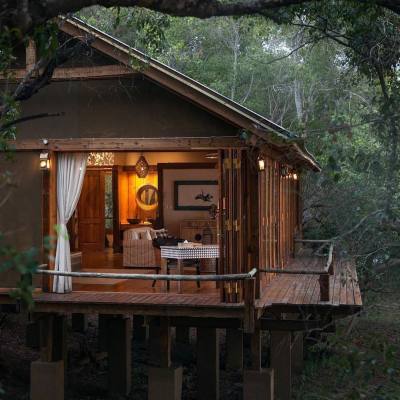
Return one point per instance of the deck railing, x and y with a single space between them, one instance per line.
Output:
324 273
247 278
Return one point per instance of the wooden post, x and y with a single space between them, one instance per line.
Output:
258 383
102 332
324 286
33 335
160 342
47 374
79 322
249 300
165 381
119 354
281 357
140 330
255 348
298 352
182 335
207 364
234 348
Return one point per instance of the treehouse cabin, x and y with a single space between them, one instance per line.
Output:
168 206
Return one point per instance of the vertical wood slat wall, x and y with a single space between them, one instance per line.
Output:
232 241
278 214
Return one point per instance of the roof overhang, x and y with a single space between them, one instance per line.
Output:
290 146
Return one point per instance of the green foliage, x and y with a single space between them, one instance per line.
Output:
24 262
361 363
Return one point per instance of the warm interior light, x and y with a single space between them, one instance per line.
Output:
295 177
261 164
44 162
211 156
142 167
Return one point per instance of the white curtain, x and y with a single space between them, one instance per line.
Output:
71 169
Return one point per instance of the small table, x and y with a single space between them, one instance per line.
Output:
179 254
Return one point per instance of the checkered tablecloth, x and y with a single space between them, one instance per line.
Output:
184 253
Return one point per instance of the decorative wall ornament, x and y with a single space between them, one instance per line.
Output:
142 167
195 195
100 159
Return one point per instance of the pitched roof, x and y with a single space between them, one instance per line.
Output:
290 145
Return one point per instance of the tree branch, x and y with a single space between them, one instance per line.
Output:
29 118
25 15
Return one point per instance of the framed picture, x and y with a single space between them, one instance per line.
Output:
195 195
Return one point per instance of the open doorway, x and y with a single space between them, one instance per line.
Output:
172 198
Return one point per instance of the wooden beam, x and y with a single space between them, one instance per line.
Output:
74 73
290 325
127 144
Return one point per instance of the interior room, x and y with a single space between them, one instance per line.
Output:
131 203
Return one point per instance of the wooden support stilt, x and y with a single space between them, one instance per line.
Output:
182 335
160 342
234 348
255 348
102 332
79 322
47 380
165 381
281 363
207 364
33 335
298 352
53 344
324 287
48 374
140 330
118 339
258 385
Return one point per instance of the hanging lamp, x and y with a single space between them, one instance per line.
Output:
142 167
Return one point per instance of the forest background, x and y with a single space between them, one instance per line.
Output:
329 72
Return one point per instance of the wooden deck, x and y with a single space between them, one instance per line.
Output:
285 293
301 292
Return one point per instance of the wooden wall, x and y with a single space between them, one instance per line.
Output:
117 108
278 214
128 185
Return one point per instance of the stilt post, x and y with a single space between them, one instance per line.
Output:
281 359
207 364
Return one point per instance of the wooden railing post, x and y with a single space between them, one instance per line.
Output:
324 286
249 305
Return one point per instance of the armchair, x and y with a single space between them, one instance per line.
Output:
138 249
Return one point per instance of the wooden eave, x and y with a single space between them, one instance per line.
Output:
272 134
128 144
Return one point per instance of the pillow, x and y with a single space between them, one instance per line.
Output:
161 233
132 234
170 241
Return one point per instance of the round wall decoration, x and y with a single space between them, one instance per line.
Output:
147 197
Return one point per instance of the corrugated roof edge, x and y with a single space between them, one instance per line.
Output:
282 134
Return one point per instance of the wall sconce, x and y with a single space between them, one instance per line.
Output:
44 161
261 164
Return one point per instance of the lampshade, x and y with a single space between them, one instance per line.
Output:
142 167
